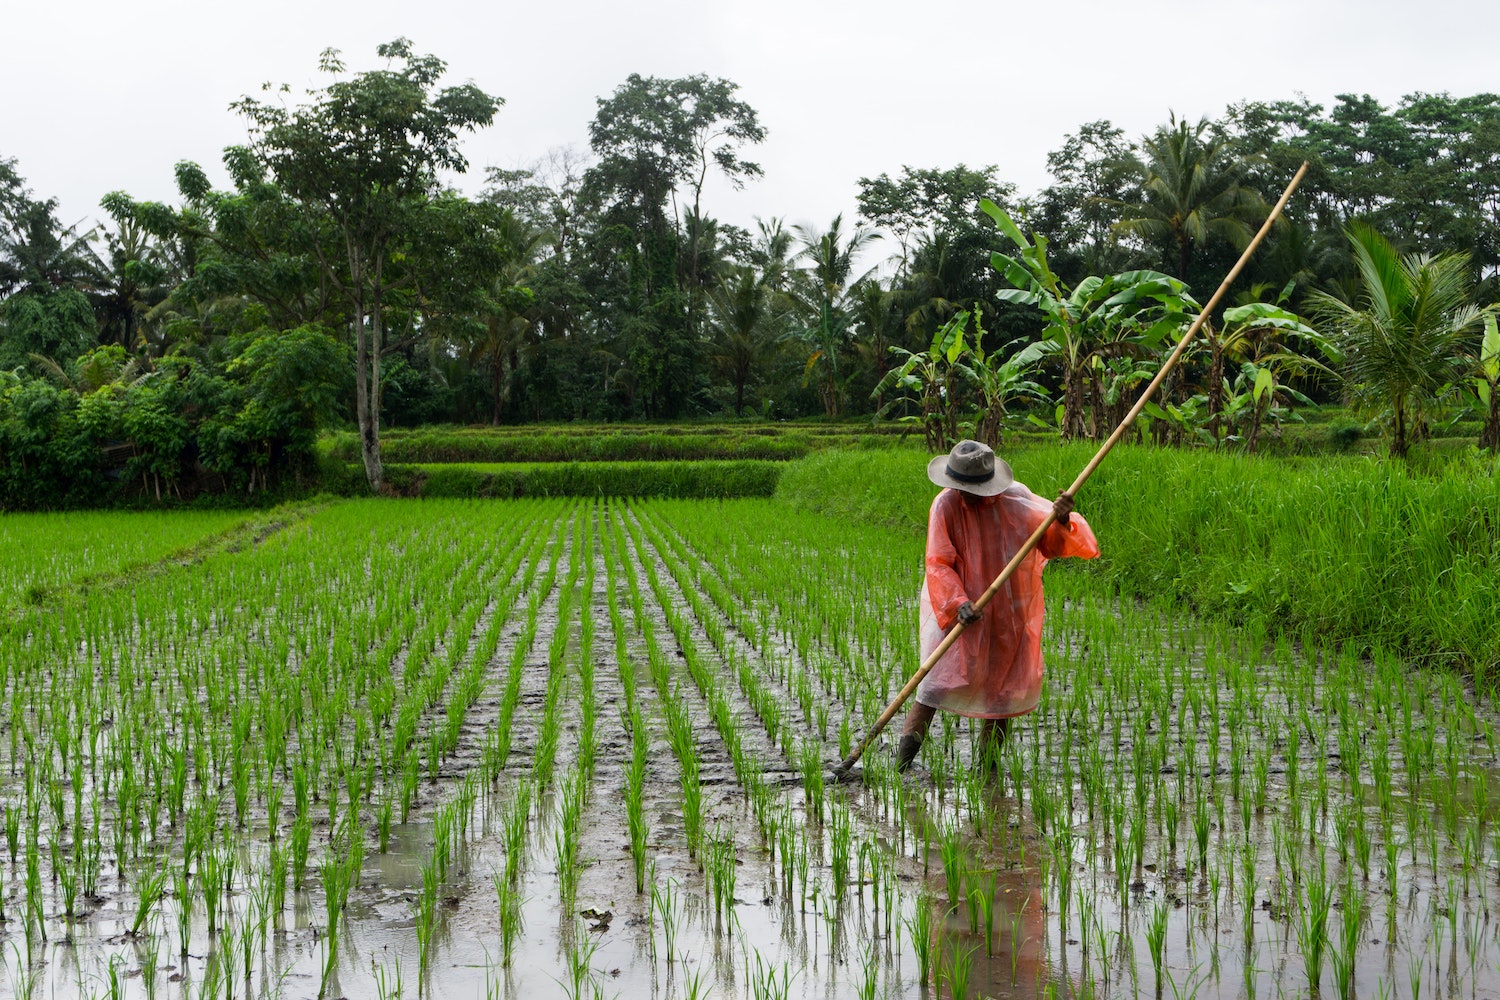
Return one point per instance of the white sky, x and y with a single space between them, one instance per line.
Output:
101 96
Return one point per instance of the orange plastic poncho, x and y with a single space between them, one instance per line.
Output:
994 670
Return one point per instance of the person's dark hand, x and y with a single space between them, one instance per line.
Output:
1062 508
968 614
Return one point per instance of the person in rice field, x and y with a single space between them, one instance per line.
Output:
977 523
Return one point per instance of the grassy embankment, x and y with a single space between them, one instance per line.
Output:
691 461
1350 550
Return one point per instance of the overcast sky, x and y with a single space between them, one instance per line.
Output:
102 96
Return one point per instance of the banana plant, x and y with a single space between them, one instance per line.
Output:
998 385
1487 384
1263 335
1256 397
927 379
1120 315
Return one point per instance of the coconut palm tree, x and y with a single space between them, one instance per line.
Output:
1405 338
827 281
503 339
740 309
1190 191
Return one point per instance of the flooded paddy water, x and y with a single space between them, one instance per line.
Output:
582 749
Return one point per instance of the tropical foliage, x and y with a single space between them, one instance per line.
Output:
600 285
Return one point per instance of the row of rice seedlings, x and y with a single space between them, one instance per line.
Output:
575 792
139 773
838 838
681 734
1075 777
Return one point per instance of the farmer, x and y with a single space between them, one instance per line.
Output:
977 523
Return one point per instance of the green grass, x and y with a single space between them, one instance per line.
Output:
1356 550
42 552
610 442
688 480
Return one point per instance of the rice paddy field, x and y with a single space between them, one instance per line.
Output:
581 748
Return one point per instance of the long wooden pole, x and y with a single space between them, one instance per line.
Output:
847 764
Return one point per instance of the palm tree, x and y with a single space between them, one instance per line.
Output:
1190 191
827 281
503 339
740 309
1405 339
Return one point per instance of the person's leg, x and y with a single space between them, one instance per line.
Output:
992 740
918 718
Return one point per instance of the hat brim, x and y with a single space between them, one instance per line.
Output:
937 471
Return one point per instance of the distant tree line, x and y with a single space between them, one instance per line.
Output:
339 279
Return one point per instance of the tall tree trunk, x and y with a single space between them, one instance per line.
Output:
1073 424
369 431
1215 389
1398 430
1489 437
497 372
377 346
1100 430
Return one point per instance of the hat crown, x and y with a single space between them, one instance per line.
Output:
972 460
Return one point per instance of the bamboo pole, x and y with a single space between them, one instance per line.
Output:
845 766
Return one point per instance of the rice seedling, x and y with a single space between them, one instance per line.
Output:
768 981
920 930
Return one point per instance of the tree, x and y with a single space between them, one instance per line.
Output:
924 203
657 140
44 269
928 379
1191 192
1094 176
1404 340
742 310
998 385
827 281
501 341
1267 341
1088 324
360 160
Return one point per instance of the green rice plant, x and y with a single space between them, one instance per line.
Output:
1201 828
150 887
982 899
1344 958
664 910
810 763
722 874
767 980
692 807
426 918
388 982
511 922
840 849
579 950
635 812
960 966
1156 937
867 987
920 929
301 840
952 852
1312 923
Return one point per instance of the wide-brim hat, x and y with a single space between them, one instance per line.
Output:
973 468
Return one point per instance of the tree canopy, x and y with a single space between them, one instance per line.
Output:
600 284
